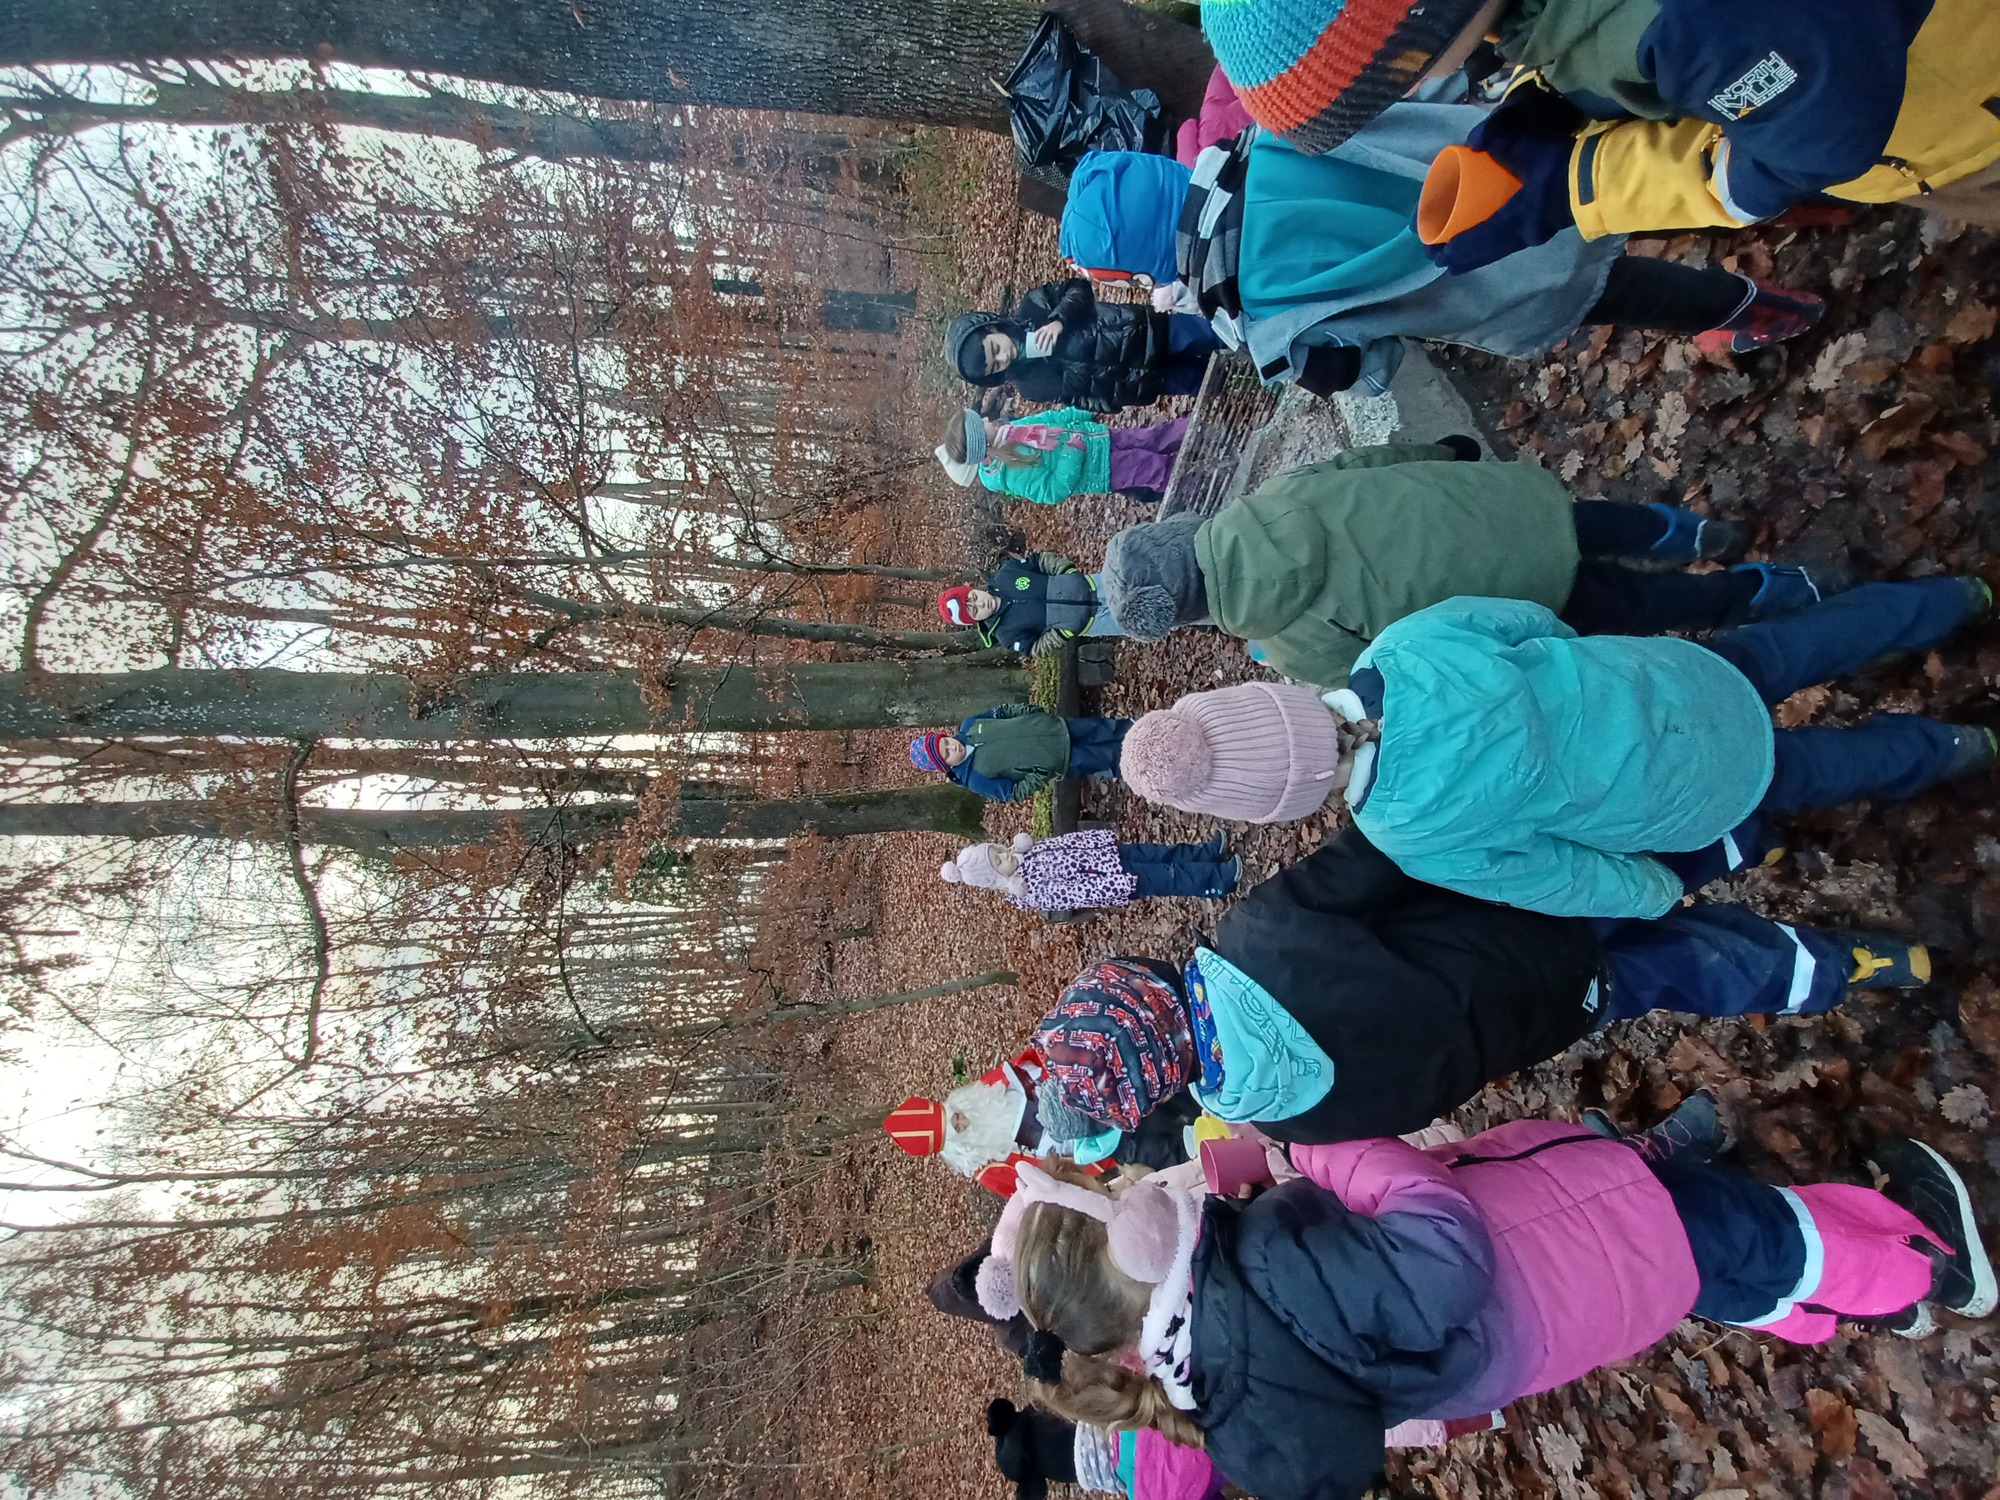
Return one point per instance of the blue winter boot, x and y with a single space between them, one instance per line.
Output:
1784 590
1693 538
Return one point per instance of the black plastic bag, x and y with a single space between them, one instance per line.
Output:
1063 101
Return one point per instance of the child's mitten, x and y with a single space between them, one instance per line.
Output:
1506 189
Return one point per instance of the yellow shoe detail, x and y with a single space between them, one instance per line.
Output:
1775 855
1920 963
1867 966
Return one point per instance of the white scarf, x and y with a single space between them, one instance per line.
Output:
1166 1338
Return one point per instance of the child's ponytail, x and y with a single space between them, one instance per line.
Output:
1098 1390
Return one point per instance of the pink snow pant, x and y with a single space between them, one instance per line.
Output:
1861 1261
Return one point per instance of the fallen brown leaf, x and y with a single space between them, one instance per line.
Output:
1833 1422
1972 322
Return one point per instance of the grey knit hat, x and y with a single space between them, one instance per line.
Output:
1061 1123
1150 581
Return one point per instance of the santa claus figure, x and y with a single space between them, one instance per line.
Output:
983 1129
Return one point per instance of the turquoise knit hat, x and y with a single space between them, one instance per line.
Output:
1316 71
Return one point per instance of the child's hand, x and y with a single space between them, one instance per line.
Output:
1044 338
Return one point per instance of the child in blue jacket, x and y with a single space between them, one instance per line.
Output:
1034 605
1486 748
1013 750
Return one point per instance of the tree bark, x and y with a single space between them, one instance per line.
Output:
917 60
748 622
271 703
937 807
442 116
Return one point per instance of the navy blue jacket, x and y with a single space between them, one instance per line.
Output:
1809 89
1316 1328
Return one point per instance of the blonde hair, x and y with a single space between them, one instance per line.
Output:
1069 1287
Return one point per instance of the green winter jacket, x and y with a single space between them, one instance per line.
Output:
1017 749
1071 457
1316 562
1588 48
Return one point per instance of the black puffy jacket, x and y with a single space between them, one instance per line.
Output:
1420 996
1110 355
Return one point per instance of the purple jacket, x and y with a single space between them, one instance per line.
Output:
1589 1266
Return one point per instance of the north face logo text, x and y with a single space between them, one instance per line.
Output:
1756 88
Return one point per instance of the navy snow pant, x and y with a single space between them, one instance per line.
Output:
1887 755
1718 961
1094 745
1178 869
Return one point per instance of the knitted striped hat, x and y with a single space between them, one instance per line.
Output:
1261 752
1316 71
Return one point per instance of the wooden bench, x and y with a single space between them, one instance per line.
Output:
1231 405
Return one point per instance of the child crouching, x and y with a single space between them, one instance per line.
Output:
1054 455
1285 1333
1092 868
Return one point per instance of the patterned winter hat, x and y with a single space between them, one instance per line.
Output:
1116 1044
927 751
1316 71
917 1125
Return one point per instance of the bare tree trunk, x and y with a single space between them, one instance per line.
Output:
918 60
491 126
937 807
270 703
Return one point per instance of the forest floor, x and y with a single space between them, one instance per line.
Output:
1864 446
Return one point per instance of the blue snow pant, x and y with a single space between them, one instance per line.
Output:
1887 755
1178 869
1749 1249
1094 745
1718 961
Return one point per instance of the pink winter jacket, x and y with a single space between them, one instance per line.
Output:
1222 119
1591 1264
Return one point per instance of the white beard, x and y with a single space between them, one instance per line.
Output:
992 1117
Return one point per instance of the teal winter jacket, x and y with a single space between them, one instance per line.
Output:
1520 763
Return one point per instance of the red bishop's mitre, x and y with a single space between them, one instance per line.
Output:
917 1125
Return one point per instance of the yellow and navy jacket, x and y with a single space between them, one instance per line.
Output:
1723 112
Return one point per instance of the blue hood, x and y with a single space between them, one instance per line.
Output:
1122 211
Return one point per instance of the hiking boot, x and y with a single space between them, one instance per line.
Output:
1913 1176
1885 963
1693 538
1232 876
1783 590
1693 1132
1767 315
1215 845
